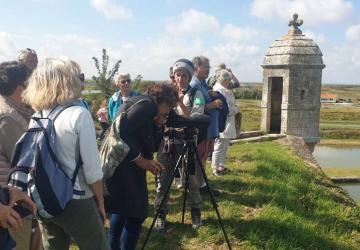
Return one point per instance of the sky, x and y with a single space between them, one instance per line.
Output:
149 36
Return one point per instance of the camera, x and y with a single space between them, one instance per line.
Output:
4 199
188 130
197 121
21 210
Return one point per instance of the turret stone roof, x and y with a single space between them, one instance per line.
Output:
293 49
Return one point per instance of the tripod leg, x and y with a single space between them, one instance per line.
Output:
185 196
164 198
212 199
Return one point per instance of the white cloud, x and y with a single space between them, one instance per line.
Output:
128 46
318 38
314 13
111 10
239 33
71 39
342 63
7 47
192 22
235 53
353 33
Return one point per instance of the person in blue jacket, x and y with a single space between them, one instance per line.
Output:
123 83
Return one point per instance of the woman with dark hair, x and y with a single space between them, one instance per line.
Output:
14 119
128 195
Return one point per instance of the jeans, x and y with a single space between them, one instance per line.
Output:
124 232
221 146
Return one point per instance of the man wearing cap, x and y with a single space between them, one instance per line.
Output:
123 83
171 148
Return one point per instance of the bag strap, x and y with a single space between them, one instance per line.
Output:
73 179
54 113
140 101
116 123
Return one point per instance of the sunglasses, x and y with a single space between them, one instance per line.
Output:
126 81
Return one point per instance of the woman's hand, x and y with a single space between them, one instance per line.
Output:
98 191
181 94
102 212
9 218
149 165
214 104
213 94
18 197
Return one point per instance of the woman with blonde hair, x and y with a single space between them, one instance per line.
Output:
53 84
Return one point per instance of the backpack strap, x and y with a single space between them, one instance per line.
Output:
73 179
192 92
54 113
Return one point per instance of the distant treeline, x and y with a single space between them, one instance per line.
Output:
244 92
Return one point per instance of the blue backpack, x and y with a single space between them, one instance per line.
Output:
36 169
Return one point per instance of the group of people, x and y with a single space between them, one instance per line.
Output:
26 87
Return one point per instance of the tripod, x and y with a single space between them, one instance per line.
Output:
189 151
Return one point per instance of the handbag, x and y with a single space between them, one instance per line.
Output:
113 150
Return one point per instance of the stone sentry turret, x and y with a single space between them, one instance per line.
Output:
292 71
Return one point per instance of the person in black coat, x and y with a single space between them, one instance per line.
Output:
140 128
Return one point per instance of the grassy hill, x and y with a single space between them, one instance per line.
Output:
268 200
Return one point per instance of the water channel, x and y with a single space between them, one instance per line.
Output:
347 157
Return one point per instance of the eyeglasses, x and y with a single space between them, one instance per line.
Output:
126 81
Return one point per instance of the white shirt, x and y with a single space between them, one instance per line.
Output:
230 129
75 133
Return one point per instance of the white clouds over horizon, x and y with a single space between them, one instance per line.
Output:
239 33
7 46
314 13
353 33
112 10
318 38
149 43
192 22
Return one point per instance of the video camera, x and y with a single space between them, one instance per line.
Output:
189 130
190 125
5 198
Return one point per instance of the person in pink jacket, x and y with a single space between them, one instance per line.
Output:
103 117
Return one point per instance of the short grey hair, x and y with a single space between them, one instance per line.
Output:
220 66
24 53
199 60
224 75
122 76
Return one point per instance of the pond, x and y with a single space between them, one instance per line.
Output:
343 157
337 156
353 190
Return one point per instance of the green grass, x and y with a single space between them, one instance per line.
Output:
335 122
343 91
269 200
251 114
347 142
